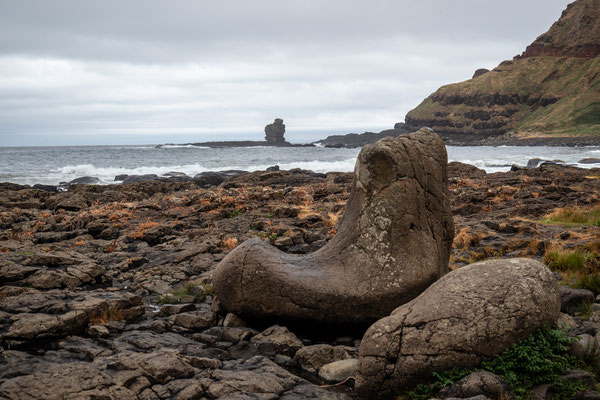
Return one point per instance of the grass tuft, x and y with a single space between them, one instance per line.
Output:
574 216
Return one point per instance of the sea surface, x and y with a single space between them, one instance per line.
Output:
52 165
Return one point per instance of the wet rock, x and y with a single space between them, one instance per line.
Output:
197 320
67 201
393 242
64 380
312 358
469 315
591 160
277 340
129 179
232 320
206 179
86 180
54 314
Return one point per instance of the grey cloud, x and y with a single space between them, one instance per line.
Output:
162 71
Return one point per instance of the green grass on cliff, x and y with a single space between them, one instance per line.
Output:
574 81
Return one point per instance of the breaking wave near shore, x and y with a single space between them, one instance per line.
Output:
52 165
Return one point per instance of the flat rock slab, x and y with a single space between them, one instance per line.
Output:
34 315
468 316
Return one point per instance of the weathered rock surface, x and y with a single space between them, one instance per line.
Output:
34 316
274 132
312 358
338 371
466 317
392 243
476 384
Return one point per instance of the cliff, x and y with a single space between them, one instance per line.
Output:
553 87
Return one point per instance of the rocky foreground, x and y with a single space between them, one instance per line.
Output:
106 291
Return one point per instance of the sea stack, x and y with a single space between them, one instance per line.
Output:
274 132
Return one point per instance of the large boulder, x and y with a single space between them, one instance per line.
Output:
468 316
392 243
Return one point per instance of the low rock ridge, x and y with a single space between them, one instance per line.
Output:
274 136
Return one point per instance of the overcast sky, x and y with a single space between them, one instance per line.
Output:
157 71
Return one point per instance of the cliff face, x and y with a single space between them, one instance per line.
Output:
553 87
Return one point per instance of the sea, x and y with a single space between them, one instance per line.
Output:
53 165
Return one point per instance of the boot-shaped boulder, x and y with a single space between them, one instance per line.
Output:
468 316
393 242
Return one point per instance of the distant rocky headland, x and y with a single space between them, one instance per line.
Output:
552 90
274 136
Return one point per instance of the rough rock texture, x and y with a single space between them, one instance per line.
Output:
392 243
274 132
552 87
312 358
468 316
351 140
478 383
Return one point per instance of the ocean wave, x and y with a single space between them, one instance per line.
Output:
107 174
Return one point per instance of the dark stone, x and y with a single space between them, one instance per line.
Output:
480 72
121 177
46 188
591 160
141 178
571 299
86 180
274 132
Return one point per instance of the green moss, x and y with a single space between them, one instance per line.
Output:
541 358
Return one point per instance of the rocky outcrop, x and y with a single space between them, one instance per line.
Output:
392 243
352 140
468 316
576 34
551 87
274 132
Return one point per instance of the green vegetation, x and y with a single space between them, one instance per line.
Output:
236 212
441 380
568 260
590 282
574 216
540 358
581 266
198 290
584 310
571 82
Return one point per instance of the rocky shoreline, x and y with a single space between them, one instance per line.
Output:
107 290
355 140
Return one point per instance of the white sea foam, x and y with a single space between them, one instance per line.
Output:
183 146
107 175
